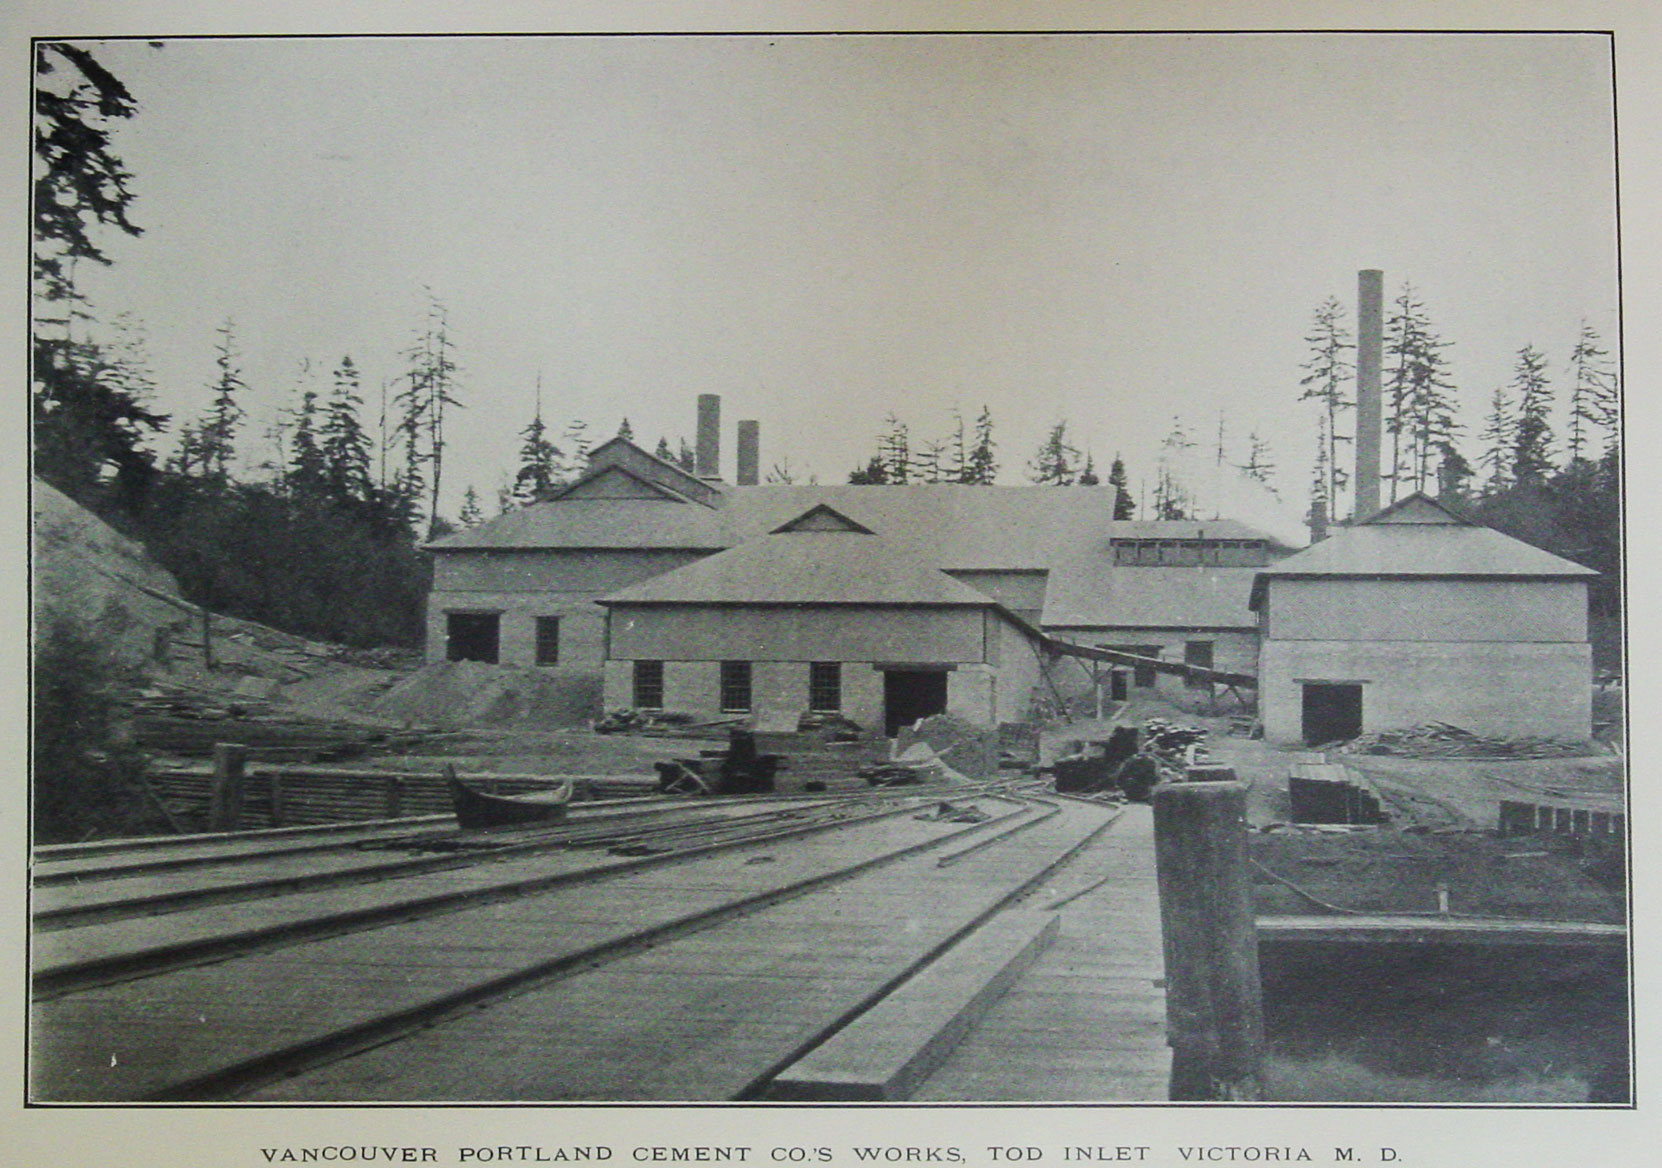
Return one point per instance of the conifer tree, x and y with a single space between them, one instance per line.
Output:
1420 413
540 461
471 513
305 462
1259 465
1532 440
686 458
1499 437
626 431
663 451
429 393
981 465
1327 371
1053 463
217 432
1124 506
1593 395
894 448
1088 477
873 474
345 446
575 442
90 416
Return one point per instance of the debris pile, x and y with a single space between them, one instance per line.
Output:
1172 738
1443 740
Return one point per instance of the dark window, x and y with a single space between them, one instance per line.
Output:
825 686
472 636
735 686
1198 653
548 640
649 685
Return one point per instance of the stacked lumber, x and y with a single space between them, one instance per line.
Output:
188 722
1443 740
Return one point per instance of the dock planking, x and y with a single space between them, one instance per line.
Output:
709 1015
1087 1021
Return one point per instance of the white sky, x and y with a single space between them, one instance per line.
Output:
1111 229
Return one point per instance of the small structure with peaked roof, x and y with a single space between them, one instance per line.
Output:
1419 615
819 614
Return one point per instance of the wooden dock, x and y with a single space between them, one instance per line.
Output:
604 977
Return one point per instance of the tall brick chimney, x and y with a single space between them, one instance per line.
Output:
749 471
1370 341
707 453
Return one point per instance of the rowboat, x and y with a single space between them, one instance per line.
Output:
478 809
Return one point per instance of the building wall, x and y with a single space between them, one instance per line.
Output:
827 633
525 585
694 687
1428 610
1234 650
1020 673
1489 688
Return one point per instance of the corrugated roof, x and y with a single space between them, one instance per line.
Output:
805 567
1097 593
947 525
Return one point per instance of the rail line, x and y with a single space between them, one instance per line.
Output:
290 1000
99 895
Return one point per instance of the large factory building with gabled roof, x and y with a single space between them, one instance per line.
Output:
732 566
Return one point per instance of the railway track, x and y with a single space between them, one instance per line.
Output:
761 925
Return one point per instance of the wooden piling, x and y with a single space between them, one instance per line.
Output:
1214 996
225 801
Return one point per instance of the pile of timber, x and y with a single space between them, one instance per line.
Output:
1442 740
184 722
1329 793
300 796
1579 820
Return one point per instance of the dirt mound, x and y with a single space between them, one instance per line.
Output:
470 693
86 570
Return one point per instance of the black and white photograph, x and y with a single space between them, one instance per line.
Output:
873 574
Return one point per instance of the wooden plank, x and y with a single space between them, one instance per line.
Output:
885 1052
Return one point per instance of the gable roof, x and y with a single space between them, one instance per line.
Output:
1408 541
822 517
618 482
947 524
1419 508
806 567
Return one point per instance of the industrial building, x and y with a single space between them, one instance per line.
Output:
1417 615
643 584
695 572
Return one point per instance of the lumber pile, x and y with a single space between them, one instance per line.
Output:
1443 740
187 722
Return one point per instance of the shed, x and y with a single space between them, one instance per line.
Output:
1419 615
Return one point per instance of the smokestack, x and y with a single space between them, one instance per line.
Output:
1370 339
749 471
707 454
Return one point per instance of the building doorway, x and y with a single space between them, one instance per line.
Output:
1332 711
472 636
910 694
